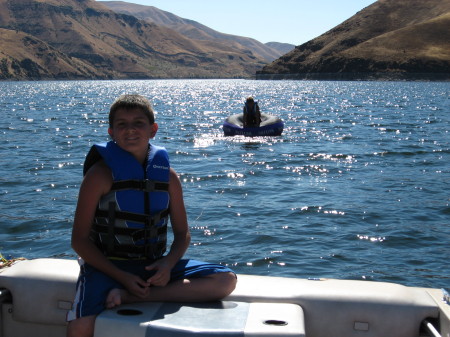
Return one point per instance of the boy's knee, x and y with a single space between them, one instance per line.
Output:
227 283
81 327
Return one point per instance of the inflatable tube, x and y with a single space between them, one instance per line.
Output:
270 126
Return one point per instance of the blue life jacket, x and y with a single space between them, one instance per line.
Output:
131 220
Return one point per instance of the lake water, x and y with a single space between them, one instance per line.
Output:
357 187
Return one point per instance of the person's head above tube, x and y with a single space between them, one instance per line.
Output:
250 101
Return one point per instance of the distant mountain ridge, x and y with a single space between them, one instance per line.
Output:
388 39
194 30
83 39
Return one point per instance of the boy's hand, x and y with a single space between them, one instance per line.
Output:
136 286
162 273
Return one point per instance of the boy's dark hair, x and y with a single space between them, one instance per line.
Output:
129 102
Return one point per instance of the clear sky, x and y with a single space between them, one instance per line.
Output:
289 21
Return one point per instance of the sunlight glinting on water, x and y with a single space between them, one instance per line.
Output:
355 186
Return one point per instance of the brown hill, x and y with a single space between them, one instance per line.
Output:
48 39
283 48
388 39
194 30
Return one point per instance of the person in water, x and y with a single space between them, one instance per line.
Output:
252 115
121 253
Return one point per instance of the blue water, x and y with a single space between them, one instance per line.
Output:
357 187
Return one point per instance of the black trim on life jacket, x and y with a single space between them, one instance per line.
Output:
142 185
136 234
150 220
92 157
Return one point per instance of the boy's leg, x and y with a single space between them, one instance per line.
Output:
200 289
91 291
191 281
81 327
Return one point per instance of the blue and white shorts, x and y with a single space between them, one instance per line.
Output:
94 286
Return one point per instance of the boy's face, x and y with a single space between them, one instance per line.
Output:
131 130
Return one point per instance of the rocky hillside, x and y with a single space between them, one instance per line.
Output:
194 30
83 39
388 39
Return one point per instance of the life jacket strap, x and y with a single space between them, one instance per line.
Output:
154 237
145 185
149 250
151 220
134 233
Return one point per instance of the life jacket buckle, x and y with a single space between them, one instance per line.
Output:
148 185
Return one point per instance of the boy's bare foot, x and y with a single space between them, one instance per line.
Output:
114 298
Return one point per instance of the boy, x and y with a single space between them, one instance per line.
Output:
119 230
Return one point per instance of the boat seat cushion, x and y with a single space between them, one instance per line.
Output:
345 307
42 289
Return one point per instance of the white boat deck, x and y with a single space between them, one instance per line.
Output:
42 291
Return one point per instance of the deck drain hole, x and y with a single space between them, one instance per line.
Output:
275 322
129 312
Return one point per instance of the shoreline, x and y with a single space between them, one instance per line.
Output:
358 76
